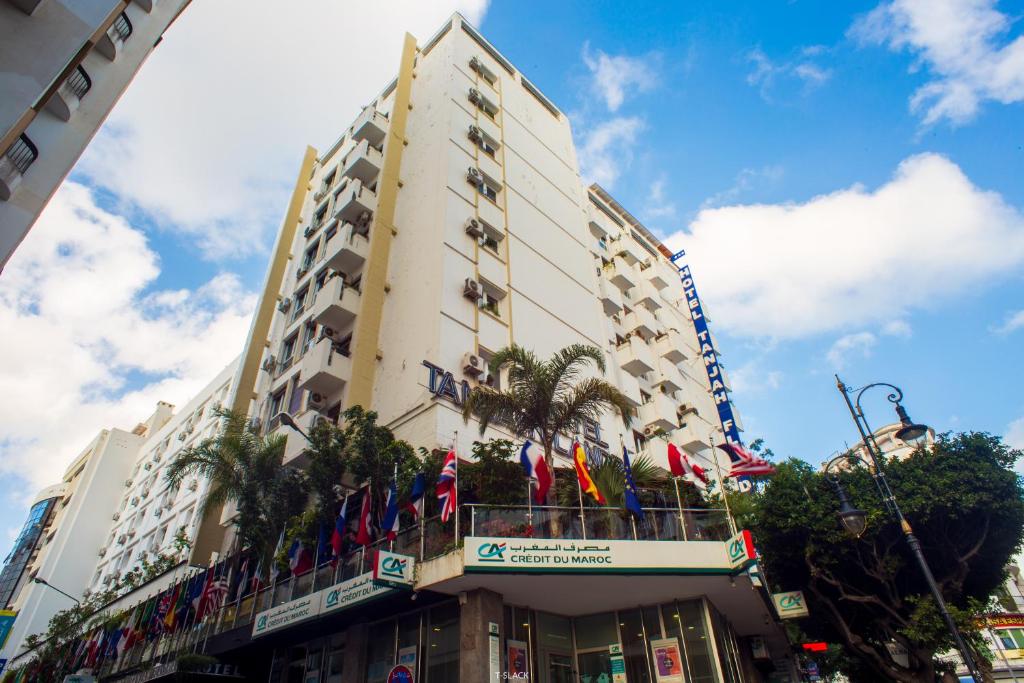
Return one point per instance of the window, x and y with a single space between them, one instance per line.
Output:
344 346
288 349
319 217
489 243
276 406
488 191
308 335
328 182
321 280
490 304
295 404
300 302
308 258
482 103
1011 638
484 141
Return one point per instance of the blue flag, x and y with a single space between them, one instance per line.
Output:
323 546
390 523
632 499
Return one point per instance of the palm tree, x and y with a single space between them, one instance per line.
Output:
246 468
546 398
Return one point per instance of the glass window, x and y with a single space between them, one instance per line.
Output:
380 651
634 646
442 651
596 630
689 622
335 661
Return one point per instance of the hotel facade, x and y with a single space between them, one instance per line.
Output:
448 221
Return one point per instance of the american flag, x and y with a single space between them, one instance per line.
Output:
446 486
745 463
213 594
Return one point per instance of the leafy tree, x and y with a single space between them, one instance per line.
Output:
545 398
246 468
495 476
966 506
373 454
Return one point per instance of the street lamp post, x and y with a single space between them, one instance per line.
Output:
910 432
44 582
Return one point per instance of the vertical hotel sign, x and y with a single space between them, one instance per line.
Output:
709 353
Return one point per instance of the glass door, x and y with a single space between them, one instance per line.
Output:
559 668
595 666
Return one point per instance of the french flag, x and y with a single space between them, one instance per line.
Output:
536 470
300 558
446 486
338 536
415 503
390 523
682 466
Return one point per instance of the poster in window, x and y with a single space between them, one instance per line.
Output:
668 660
516 659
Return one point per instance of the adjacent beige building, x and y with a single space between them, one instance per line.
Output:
63 65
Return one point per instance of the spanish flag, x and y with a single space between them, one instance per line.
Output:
587 484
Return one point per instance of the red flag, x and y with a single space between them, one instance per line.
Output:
447 483
682 466
363 535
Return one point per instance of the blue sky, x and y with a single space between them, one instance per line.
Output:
845 178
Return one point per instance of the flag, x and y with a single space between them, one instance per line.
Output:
682 466
363 535
632 499
195 592
587 484
745 463
338 537
112 643
390 523
446 486
214 591
275 569
536 470
323 545
300 559
415 503
172 610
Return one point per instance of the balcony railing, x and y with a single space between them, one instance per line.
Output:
78 82
15 163
122 27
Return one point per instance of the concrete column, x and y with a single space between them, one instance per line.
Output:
481 608
355 653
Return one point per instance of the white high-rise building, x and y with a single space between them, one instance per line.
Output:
82 504
63 66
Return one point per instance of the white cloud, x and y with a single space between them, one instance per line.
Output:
854 257
747 179
210 135
94 345
1014 436
857 344
657 205
614 75
606 150
768 73
960 43
753 378
898 328
1013 321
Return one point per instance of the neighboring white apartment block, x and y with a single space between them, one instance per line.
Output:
150 513
63 66
434 236
88 495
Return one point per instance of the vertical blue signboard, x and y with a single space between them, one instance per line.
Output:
709 354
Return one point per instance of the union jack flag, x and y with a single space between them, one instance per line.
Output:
745 463
446 486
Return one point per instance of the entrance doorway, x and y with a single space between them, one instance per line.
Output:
595 666
560 668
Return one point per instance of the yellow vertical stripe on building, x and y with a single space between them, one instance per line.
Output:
366 336
210 535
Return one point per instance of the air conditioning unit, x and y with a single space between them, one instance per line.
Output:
122 539
327 332
193 485
269 363
316 400
117 516
157 458
685 409
309 231
284 305
148 466
471 289
158 512
303 269
182 436
472 364
135 500
107 579
131 533
650 430
475 134
102 552
318 195
364 219
473 228
474 176
145 494
485 73
475 97
169 504
128 483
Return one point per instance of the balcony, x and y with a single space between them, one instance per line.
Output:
611 297
325 369
113 40
694 435
627 247
26 6
671 346
296 444
642 321
14 163
336 305
355 203
621 273
647 294
598 222
659 413
70 93
363 162
670 376
630 388
635 357
347 250
371 126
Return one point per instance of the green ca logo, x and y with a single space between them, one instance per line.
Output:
393 566
491 552
792 601
332 598
261 623
736 549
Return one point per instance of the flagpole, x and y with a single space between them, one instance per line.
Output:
679 504
721 483
632 519
398 512
455 492
579 488
529 499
